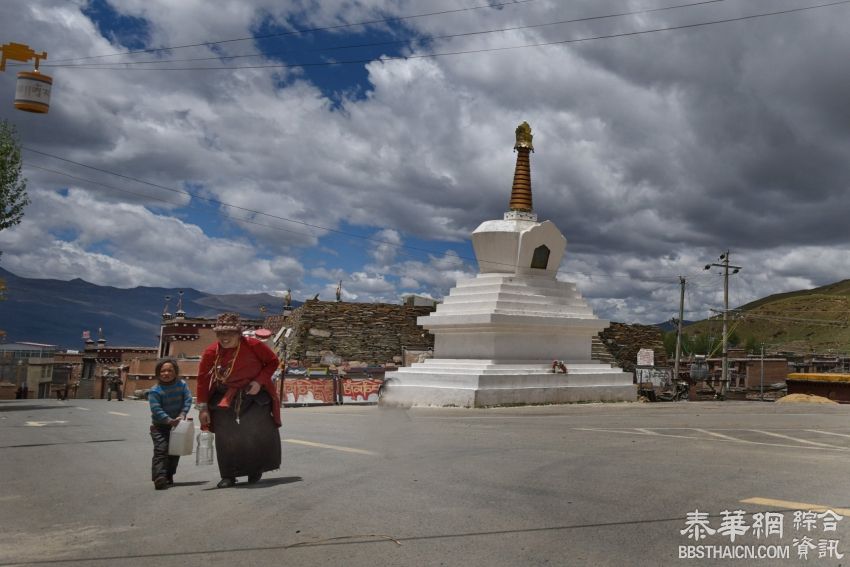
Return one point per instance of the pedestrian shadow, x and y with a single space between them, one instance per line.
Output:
263 483
29 407
61 443
268 482
189 483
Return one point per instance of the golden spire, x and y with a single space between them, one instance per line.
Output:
521 191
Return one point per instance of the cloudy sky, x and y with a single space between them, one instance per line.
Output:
242 146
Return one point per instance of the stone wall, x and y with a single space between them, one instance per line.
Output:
624 341
373 333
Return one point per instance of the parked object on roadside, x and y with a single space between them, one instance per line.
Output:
679 392
805 399
141 394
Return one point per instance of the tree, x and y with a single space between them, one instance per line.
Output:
705 344
13 187
2 298
670 343
733 340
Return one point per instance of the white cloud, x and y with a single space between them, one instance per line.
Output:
126 245
654 153
386 246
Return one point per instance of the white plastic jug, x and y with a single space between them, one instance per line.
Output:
181 439
205 451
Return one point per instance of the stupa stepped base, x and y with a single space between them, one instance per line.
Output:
510 293
483 383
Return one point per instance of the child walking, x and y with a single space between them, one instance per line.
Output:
170 401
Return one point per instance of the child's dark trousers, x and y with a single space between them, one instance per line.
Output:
163 464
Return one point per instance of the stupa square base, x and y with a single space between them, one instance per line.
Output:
435 396
471 383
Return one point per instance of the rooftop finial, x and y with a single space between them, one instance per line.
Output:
520 207
180 313
524 137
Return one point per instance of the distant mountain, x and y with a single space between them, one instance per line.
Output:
57 312
667 326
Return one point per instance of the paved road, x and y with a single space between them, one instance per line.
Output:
594 484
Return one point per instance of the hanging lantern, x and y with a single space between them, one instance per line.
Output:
32 92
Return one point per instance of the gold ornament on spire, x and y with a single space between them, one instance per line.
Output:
521 191
524 137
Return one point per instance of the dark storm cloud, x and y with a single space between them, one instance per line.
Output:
767 130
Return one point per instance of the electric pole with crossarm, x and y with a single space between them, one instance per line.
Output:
679 329
724 263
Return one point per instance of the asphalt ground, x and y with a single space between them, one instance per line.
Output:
585 484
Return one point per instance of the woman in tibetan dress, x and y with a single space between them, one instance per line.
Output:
239 403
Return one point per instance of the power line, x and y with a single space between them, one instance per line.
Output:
705 284
459 262
658 279
823 322
444 257
304 31
217 202
833 311
400 42
162 199
201 197
473 51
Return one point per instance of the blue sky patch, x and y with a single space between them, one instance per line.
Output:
320 49
347 251
65 234
131 32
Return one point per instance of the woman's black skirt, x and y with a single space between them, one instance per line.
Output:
250 446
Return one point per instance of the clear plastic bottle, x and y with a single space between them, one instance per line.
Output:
205 451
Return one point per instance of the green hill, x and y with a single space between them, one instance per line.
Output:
815 320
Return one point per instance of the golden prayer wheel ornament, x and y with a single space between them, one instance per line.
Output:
32 91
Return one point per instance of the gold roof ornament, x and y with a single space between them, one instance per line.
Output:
520 205
524 137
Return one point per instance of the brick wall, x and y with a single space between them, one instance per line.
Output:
774 371
367 332
624 341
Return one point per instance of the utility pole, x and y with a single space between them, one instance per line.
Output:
761 387
724 259
679 330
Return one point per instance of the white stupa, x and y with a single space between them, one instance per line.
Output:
496 335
